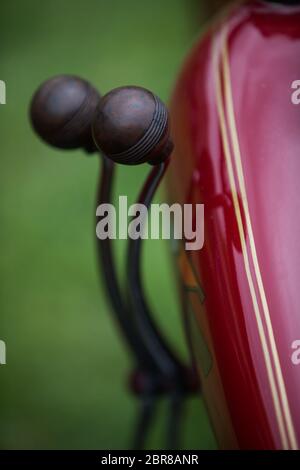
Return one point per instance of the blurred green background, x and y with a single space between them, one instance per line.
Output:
65 382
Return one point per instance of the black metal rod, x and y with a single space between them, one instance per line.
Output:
174 420
145 418
166 361
108 271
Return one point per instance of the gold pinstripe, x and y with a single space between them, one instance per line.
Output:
266 352
241 180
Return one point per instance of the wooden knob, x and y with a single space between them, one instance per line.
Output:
62 110
131 126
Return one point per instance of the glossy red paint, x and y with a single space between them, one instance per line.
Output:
243 329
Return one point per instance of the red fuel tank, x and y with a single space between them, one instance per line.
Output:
236 129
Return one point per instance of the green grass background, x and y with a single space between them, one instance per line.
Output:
65 382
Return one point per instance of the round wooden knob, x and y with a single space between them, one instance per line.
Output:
62 110
131 126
